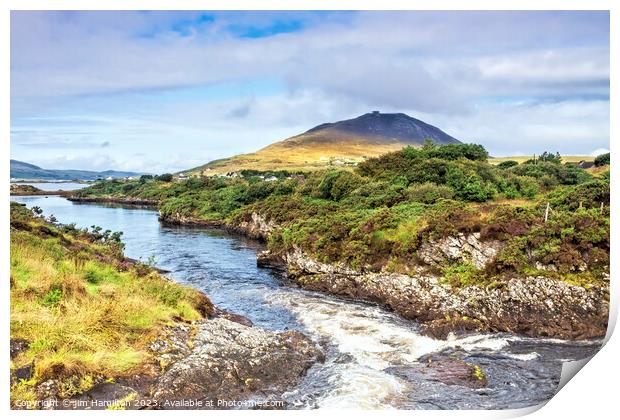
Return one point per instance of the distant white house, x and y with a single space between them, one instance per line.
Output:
271 178
182 176
109 178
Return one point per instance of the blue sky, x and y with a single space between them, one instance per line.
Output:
164 91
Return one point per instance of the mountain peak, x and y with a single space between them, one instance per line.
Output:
339 143
383 128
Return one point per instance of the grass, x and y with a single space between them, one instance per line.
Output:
298 155
599 171
85 319
521 159
307 155
461 274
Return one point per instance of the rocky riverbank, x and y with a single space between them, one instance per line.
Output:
258 228
114 200
535 306
28 190
229 363
531 306
219 363
91 328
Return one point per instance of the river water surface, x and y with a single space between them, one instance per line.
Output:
368 349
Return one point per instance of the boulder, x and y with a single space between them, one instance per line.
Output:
18 345
462 248
447 370
229 362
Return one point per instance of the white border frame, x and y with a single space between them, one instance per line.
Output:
592 394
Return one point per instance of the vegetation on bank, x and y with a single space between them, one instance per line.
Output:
82 311
553 217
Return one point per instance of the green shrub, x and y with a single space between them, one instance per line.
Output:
591 194
344 184
462 274
52 298
376 217
335 185
164 177
563 174
546 157
507 164
469 186
428 193
602 160
521 186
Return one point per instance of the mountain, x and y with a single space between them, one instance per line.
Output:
379 128
333 144
23 170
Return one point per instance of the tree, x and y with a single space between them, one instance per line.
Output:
428 145
602 160
165 177
550 157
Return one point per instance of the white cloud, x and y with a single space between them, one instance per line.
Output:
597 152
513 81
571 127
421 59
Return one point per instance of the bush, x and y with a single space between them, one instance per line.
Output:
397 163
338 184
602 160
164 177
377 194
457 151
588 195
507 164
469 186
521 186
562 174
429 193
258 191
377 216
461 275
570 241
546 157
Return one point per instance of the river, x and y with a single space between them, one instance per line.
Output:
369 350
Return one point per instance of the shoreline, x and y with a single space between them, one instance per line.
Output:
61 193
191 358
111 200
184 355
530 305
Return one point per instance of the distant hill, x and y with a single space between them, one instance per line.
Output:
339 143
23 170
376 127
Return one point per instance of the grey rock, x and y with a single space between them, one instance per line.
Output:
233 362
461 248
18 345
533 306
105 396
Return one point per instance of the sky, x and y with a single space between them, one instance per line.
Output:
166 91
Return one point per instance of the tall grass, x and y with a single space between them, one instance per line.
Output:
84 318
